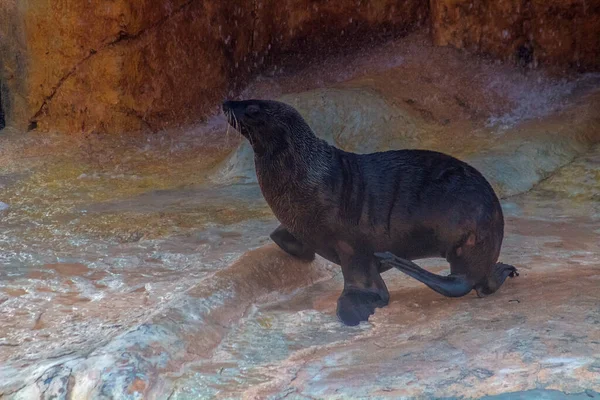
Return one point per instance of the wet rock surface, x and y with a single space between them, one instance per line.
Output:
539 330
126 271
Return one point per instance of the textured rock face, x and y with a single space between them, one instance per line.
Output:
12 50
128 65
125 65
560 32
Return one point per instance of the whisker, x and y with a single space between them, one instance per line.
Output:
238 128
236 123
227 131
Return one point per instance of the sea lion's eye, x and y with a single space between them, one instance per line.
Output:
252 110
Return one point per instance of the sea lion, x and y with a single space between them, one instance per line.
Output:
371 212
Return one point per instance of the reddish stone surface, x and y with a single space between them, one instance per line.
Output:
130 65
148 65
565 33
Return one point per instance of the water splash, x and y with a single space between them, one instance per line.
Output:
535 99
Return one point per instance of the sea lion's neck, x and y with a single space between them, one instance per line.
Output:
289 176
296 159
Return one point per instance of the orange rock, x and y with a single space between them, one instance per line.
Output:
565 33
137 386
69 269
146 65
128 65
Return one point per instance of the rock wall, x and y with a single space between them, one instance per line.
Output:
565 33
13 104
127 65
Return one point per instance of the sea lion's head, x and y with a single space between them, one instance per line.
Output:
268 125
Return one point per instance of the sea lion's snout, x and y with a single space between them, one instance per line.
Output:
228 106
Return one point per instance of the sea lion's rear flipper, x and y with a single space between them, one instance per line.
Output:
450 286
496 279
288 243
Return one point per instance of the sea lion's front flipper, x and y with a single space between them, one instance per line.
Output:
288 243
450 286
355 306
364 289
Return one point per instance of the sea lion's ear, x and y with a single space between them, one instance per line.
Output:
252 110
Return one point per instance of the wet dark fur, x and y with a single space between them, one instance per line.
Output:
372 212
